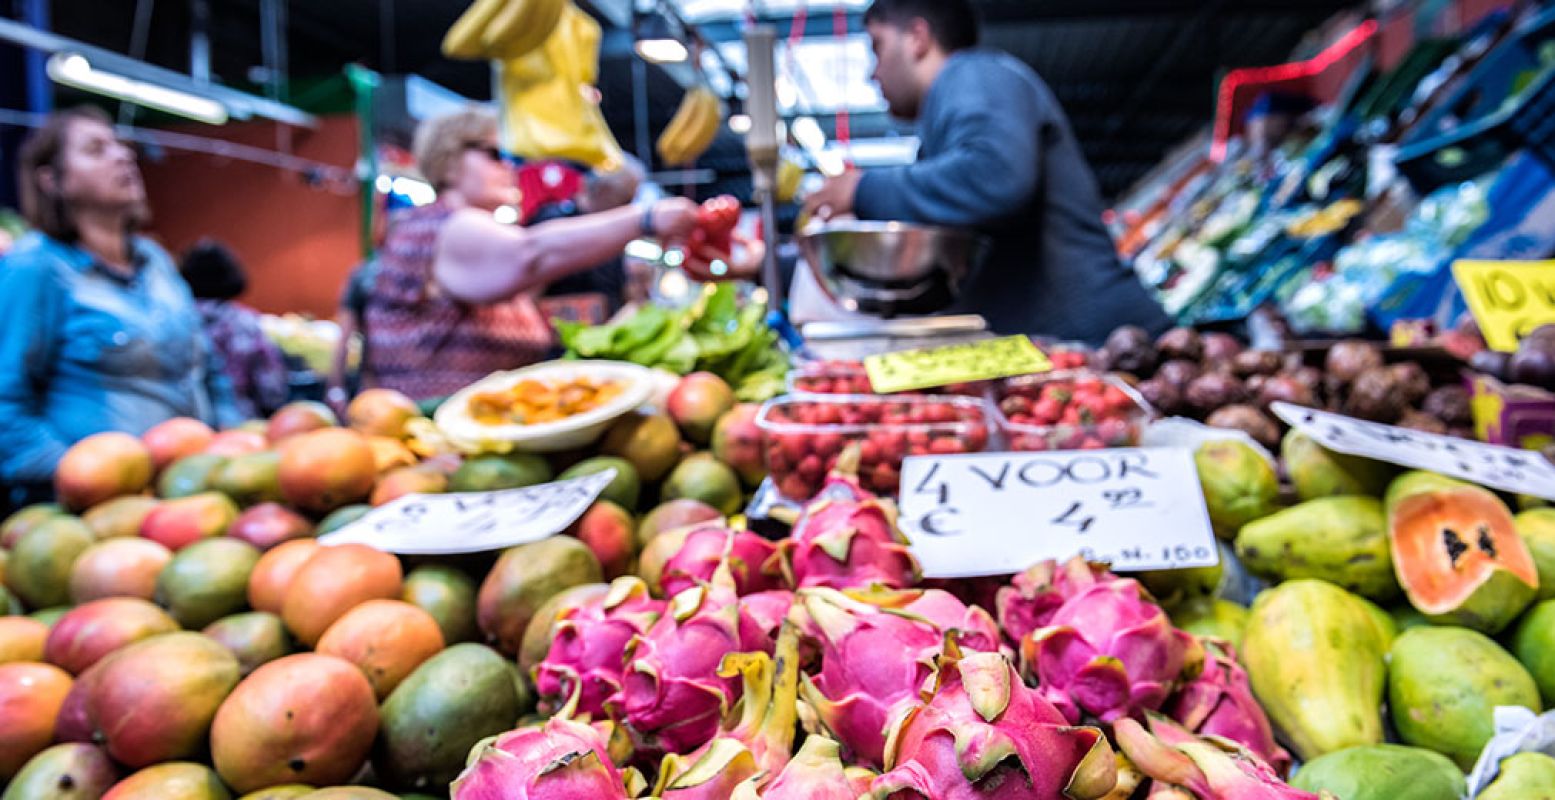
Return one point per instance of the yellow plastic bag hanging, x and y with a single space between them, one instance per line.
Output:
548 110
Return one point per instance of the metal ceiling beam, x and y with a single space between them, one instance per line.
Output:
239 104
998 11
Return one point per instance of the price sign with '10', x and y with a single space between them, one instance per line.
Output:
999 513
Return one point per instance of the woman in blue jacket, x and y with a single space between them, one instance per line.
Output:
97 330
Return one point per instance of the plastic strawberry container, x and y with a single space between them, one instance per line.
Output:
840 377
1076 410
804 435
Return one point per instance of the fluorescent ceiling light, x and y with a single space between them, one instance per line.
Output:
807 132
740 123
662 51
73 69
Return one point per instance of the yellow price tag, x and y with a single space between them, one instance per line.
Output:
1508 298
910 370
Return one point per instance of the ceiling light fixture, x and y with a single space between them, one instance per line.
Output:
74 70
656 41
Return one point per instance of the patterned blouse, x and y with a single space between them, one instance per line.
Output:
251 361
428 345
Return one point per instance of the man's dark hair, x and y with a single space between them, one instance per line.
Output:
953 23
213 272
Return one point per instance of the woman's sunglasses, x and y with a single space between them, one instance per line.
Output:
491 151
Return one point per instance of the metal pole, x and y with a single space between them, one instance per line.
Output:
640 110
40 94
761 147
200 41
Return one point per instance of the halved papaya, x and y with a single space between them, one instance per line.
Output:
1457 553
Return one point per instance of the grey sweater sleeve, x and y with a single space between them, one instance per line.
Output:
985 162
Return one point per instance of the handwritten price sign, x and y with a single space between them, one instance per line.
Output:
909 370
999 513
1505 468
473 522
1509 298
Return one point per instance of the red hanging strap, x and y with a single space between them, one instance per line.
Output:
839 26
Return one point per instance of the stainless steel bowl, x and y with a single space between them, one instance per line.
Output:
891 268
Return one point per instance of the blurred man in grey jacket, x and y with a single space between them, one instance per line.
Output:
998 156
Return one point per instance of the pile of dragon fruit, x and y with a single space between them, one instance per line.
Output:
823 666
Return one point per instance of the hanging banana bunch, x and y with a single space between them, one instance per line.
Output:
463 39
692 129
502 29
522 26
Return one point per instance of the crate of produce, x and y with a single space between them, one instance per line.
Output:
1506 104
805 435
842 376
1076 411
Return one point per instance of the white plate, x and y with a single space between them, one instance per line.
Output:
454 419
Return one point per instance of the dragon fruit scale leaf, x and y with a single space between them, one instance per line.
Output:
586 647
561 760
983 733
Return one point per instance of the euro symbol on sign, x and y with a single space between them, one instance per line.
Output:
936 522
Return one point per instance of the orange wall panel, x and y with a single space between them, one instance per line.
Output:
299 242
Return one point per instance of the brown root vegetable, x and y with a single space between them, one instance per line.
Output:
1348 359
1286 388
1129 349
1248 420
1421 421
1412 381
1450 404
1375 395
1162 395
1220 346
1213 390
1181 343
1179 373
1491 362
1256 362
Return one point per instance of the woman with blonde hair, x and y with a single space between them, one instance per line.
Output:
455 297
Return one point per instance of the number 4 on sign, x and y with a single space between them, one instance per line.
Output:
1073 516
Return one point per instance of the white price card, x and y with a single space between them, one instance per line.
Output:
1505 468
473 522
999 513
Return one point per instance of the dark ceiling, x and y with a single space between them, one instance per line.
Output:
1136 76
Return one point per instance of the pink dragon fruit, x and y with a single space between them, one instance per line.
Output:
1182 765
847 538
671 694
1219 702
586 647
761 616
983 733
974 629
759 743
561 760
753 561
1034 596
874 657
1110 652
816 772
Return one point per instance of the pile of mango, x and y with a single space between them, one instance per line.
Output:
1400 609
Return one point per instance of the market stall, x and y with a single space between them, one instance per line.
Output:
1300 544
